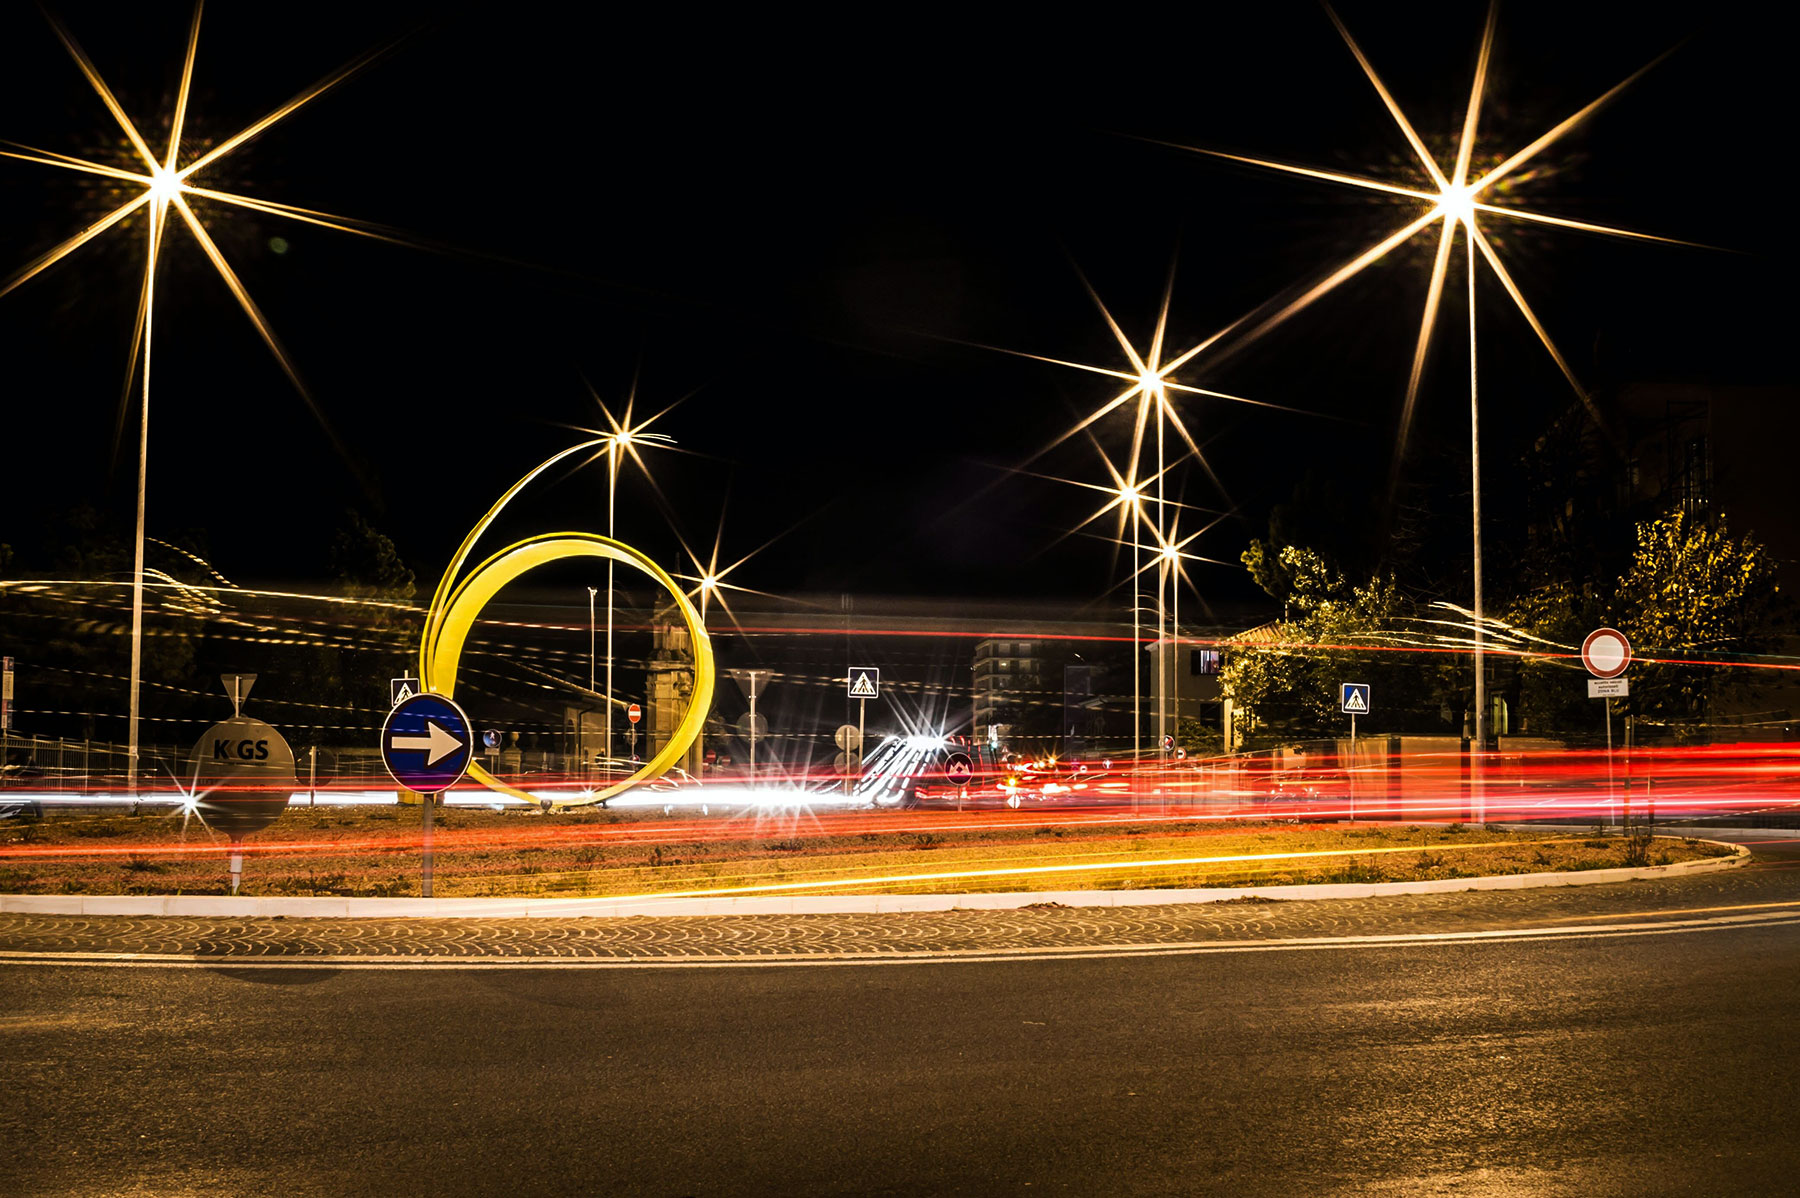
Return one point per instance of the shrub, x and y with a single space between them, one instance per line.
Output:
1356 871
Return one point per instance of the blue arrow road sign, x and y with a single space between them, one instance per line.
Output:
1353 697
425 743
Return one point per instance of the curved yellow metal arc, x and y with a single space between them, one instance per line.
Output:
442 652
434 616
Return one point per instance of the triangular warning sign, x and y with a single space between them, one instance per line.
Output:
863 687
1354 702
404 693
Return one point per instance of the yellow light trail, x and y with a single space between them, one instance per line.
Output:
1077 867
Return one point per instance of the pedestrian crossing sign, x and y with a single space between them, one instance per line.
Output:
1353 697
865 682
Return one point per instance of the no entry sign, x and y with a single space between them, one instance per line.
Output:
1606 652
634 713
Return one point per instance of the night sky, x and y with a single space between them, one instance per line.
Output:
802 225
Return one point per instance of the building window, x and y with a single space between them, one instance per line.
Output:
1203 661
1696 475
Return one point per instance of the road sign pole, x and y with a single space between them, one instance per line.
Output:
1351 772
753 735
862 713
425 874
1610 794
312 777
237 862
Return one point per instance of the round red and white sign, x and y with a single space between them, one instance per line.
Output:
1606 653
634 713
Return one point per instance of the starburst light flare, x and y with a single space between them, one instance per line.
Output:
1455 202
624 437
164 186
709 577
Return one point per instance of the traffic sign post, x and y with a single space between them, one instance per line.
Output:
426 745
865 684
959 768
751 681
1354 699
848 738
402 689
1606 652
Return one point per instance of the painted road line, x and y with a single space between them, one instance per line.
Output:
922 957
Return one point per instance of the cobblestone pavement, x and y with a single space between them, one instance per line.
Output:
1766 885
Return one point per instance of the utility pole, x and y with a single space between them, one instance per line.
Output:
1478 799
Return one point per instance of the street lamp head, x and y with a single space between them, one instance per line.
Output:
592 591
1151 382
1458 203
709 583
165 185
622 438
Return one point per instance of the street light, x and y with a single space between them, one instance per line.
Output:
163 187
1131 500
1456 201
1167 652
624 438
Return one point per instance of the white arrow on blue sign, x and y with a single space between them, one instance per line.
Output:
1353 697
425 743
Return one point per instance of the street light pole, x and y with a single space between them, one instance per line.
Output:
612 486
1475 785
580 737
1137 653
1162 575
1174 649
160 207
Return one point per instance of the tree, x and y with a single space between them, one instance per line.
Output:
376 636
1335 632
1693 592
1689 591
1552 693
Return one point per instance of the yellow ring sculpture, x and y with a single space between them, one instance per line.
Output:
456 606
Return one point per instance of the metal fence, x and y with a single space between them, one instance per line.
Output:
58 765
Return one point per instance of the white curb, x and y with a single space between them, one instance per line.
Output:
810 904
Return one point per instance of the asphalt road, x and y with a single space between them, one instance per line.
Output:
1634 1065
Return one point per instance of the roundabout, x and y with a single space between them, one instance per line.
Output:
1476 1042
